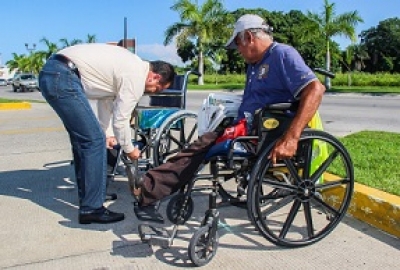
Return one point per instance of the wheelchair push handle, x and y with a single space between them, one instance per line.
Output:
325 72
195 72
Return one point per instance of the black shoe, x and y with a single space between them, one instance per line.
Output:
148 213
102 215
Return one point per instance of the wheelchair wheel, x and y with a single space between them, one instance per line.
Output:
174 208
203 246
175 134
301 200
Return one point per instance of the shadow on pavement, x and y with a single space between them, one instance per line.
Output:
51 188
370 231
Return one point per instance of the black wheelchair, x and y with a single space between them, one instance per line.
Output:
293 203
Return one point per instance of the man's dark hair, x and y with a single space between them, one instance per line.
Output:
165 69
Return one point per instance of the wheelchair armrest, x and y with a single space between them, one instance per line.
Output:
239 139
282 106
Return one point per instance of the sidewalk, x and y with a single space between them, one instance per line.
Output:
40 229
372 206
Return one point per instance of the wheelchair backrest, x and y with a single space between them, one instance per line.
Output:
271 122
174 95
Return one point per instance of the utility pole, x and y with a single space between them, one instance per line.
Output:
125 33
30 49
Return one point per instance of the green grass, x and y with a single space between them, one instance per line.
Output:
335 89
376 159
360 81
5 100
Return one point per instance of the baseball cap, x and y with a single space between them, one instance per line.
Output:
248 21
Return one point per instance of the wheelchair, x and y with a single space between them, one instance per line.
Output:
293 203
160 128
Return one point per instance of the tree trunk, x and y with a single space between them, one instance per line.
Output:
349 82
200 80
327 66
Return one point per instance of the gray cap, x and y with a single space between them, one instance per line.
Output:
248 21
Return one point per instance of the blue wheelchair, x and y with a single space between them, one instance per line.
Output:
293 203
160 128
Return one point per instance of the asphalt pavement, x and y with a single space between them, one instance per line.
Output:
38 199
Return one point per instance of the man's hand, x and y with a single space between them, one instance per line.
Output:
110 142
284 148
135 154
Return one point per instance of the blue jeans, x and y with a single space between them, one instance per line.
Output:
63 90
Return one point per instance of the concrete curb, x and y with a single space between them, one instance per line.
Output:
15 106
374 207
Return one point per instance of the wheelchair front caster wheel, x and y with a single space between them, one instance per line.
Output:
174 209
203 246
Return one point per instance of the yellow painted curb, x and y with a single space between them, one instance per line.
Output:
15 106
372 206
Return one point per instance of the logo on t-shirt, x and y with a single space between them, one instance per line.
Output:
263 71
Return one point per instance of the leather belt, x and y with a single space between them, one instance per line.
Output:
65 60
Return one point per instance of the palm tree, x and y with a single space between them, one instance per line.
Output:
66 43
329 25
91 39
37 61
201 23
51 47
360 55
13 64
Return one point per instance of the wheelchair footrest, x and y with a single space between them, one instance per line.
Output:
154 236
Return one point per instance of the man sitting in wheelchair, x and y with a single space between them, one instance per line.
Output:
276 73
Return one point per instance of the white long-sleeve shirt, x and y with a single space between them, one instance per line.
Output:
114 78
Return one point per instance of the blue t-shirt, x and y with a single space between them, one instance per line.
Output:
279 77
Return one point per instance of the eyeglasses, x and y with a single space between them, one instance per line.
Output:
241 35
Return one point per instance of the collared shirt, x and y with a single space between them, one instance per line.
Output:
278 78
113 78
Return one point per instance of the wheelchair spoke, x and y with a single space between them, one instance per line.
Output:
280 189
292 170
290 218
325 205
175 140
277 205
323 167
191 134
277 183
307 159
332 184
308 217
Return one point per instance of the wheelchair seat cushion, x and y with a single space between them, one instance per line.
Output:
153 118
222 149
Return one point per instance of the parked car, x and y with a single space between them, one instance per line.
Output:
25 82
9 81
3 82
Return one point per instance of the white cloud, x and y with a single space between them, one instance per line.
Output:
159 52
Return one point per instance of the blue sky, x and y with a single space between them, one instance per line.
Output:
28 21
